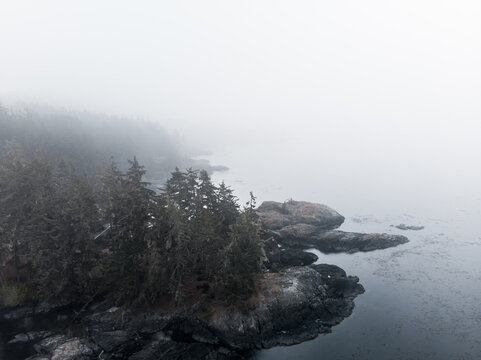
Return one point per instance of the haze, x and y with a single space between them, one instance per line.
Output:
354 98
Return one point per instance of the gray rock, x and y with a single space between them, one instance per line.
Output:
303 225
341 241
279 258
296 257
30 336
19 338
48 345
275 215
170 350
293 306
73 349
338 284
409 227
60 347
114 340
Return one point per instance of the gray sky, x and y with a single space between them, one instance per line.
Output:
387 81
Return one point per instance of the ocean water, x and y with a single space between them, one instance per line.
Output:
423 298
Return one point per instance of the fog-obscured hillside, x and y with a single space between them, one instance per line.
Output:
87 140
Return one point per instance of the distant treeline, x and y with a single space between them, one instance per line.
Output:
87 140
61 239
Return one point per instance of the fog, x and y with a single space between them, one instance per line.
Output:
371 103
371 107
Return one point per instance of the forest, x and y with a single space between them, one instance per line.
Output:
73 228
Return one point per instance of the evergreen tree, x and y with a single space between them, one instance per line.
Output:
227 208
128 202
243 255
26 187
157 246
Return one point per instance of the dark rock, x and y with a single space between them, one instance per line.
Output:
170 350
48 345
275 215
338 283
60 347
19 338
299 231
272 250
30 336
31 310
279 258
298 224
73 349
119 341
108 320
190 329
293 306
296 257
340 241
409 227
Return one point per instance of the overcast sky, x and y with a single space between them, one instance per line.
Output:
396 78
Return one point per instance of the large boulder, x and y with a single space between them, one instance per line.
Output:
275 215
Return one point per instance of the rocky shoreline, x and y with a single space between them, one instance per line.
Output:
292 306
295 301
304 225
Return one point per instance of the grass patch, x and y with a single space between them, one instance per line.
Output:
13 293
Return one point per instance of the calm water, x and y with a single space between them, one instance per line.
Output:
422 299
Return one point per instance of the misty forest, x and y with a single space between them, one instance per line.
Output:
73 229
265 180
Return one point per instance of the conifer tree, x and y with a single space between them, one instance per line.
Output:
243 255
227 208
128 202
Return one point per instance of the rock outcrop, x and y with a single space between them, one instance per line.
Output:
275 215
303 225
280 258
294 306
291 306
61 347
340 241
